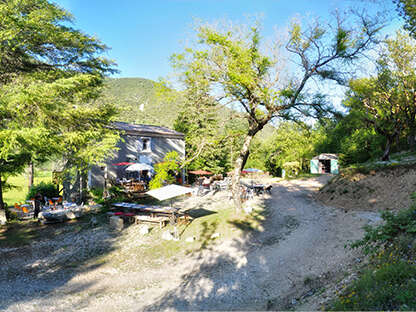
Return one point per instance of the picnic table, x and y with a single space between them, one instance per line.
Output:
261 188
152 214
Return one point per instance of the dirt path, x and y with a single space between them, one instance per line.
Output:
302 242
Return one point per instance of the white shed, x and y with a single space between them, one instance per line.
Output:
325 163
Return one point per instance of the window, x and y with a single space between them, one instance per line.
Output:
146 145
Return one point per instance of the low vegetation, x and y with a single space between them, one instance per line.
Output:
388 282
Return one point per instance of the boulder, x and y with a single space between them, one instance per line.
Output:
70 215
93 221
116 223
190 239
3 219
144 229
248 209
167 235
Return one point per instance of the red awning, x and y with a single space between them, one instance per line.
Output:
200 172
123 164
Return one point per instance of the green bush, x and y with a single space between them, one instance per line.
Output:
390 287
384 235
46 189
165 171
389 283
10 215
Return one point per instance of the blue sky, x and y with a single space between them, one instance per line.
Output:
143 35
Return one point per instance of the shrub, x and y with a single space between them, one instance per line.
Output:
292 168
384 235
389 283
46 189
165 171
390 287
10 215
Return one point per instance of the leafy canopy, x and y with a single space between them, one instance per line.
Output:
50 74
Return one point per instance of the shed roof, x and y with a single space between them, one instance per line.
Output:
147 130
326 156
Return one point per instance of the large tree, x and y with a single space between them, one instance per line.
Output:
49 75
237 70
387 101
407 10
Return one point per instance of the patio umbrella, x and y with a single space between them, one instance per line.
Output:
200 172
123 164
252 170
139 167
169 191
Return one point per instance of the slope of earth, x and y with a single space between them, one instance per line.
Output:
372 190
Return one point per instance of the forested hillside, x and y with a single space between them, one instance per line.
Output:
138 102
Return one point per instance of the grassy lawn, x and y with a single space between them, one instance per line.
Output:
18 192
207 228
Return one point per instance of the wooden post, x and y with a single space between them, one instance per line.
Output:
1 195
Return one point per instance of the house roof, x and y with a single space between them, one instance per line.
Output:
326 156
147 130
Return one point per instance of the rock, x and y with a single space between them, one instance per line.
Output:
144 230
167 235
95 207
190 239
116 223
248 209
215 235
3 219
70 215
93 221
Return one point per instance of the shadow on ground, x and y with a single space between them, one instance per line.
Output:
36 260
226 277
238 274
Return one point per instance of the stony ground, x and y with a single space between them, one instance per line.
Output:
287 263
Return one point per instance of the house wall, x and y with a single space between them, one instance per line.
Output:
314 166
130 150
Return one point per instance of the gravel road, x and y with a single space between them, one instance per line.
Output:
302 242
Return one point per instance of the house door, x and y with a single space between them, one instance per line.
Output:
325 166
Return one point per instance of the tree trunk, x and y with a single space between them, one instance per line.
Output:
411 139
386 154
238 165
1 195
30 175
83 179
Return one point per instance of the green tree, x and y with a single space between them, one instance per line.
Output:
398 60
407 10
236 69
49 75
377 101
293 142
387 101
166 171
350 137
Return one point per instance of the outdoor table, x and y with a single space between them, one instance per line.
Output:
258 188
153 211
